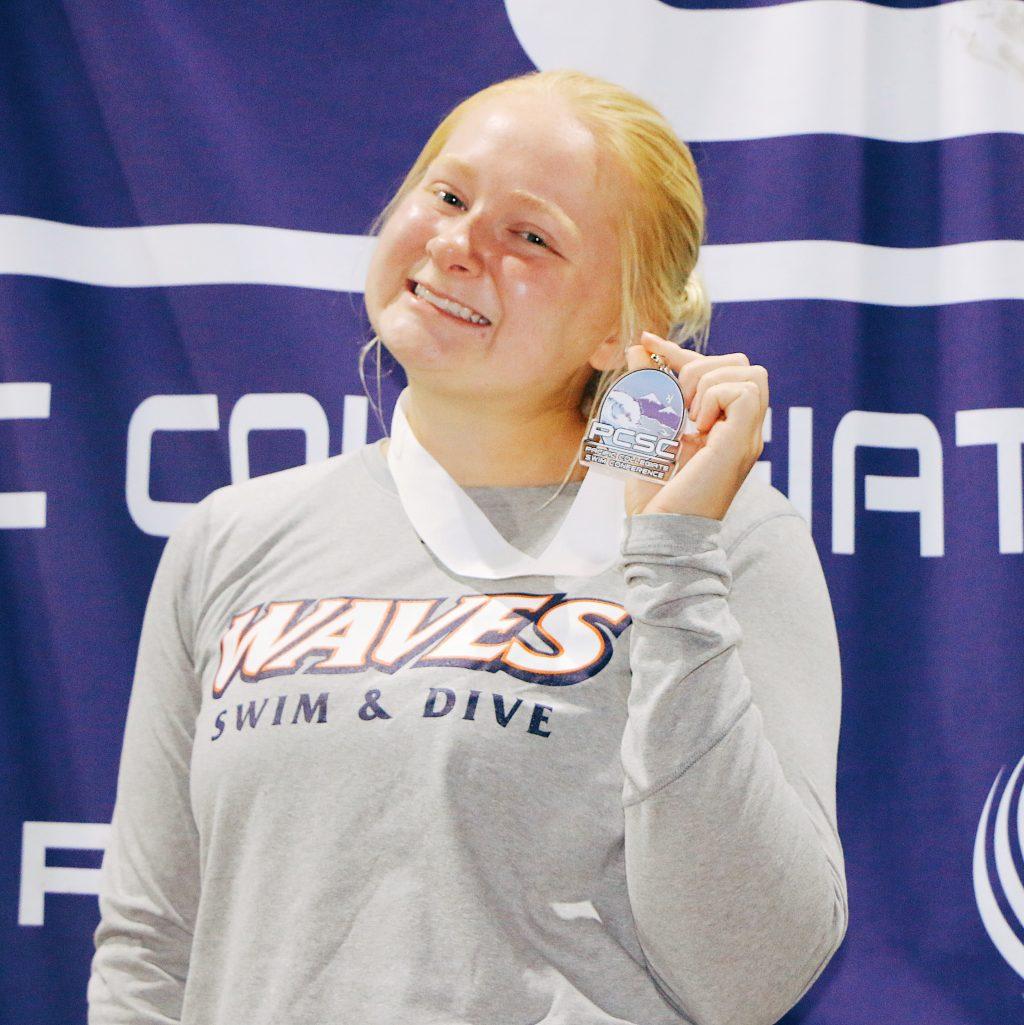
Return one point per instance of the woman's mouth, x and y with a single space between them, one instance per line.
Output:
449 306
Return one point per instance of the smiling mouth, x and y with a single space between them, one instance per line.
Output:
449 306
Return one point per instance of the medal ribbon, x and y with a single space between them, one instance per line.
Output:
456 530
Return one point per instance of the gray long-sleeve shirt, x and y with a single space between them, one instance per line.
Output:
358 789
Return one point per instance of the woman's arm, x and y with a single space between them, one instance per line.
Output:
149 884
733 860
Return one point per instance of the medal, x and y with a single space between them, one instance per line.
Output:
636 431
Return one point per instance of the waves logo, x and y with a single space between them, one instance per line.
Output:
1009 816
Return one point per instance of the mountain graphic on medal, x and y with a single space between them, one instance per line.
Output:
659 410
637 429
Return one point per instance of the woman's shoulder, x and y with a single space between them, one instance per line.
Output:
264 506
268 493
759 504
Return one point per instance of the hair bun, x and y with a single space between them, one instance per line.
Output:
691 314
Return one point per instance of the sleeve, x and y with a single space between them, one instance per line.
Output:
149 878
734 865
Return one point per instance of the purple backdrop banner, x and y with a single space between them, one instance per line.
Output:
185 192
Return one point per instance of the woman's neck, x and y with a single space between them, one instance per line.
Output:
502 447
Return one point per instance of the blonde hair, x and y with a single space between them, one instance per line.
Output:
662 226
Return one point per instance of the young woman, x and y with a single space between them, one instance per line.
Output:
451 731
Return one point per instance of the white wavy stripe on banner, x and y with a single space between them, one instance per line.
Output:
854 272
209 254
1005 869
183 254
833 66
999 930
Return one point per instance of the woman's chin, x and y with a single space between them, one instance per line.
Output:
415 344
422 357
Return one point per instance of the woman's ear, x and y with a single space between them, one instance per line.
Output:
608 354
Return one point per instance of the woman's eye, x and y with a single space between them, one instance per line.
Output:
450 198
533 238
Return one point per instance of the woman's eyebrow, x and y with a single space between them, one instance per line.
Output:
544 206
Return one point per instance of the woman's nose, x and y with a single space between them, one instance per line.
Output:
454 249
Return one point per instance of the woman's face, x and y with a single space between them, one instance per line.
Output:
514 222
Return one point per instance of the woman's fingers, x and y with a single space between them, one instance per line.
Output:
740 401
675 355
688 365
721 373
638 355
638 358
